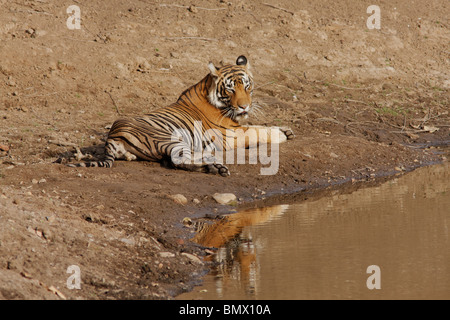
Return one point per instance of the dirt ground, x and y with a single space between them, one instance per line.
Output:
363 104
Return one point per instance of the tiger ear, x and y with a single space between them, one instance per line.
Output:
213 70
242 61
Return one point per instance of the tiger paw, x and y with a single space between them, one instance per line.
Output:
217 168
288 133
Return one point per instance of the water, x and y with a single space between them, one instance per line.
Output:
321 248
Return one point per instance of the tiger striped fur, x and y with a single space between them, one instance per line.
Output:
218 102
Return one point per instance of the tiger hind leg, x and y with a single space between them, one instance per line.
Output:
113 150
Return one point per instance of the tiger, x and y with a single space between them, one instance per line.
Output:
218 102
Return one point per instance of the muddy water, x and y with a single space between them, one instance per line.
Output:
322 248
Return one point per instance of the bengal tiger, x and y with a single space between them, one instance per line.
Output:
218 102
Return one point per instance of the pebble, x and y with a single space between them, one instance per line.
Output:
178 198
388 86
193 9
130 242
192 257
11 82
166 254
40 33
224 198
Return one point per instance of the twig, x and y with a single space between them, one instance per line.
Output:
187 7
114 103
72 39
257 20
329 120
278 8
63 143
412 131
357 101
329 83
40 95
191 38
371 122
359 122
282 49
263 85
31 11
348 88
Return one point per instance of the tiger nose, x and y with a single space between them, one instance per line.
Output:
244 108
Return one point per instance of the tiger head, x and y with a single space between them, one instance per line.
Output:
231 89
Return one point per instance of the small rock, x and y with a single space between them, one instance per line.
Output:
34 181
145 65
40 33
412 136
334 155
224 198
192 257
42 181
130 242
166 254
388 86
47 234
178 198
11 82
430 129
57 292
196 201
193 9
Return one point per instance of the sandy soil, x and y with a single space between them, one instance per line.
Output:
362 103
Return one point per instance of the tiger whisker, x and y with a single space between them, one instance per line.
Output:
225 113
256 110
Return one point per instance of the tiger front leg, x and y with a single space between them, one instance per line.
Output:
250 136
183 158
287 132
